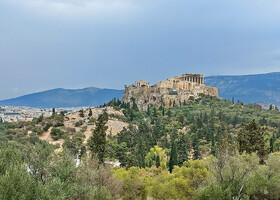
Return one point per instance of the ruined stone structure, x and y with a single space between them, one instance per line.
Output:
175 90
142 84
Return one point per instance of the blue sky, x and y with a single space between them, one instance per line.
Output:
48 44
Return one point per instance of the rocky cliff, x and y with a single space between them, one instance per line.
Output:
177 93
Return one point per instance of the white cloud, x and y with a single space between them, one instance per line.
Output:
77 8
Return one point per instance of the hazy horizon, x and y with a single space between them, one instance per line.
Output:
77 88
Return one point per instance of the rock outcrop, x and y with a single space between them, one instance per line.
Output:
175 90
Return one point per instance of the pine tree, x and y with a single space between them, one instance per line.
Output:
97 142
251 139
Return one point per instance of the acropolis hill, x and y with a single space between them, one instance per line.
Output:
175 90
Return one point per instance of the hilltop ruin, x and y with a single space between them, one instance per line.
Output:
175 90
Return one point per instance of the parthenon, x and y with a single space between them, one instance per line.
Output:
182 82
176 90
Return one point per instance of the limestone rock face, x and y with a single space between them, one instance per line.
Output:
175 90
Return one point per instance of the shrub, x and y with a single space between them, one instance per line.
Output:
79 123
47 126
56 133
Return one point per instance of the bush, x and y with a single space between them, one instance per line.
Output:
56 133
58 124
79 123
47 126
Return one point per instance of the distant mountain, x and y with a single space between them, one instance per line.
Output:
259 88
65 98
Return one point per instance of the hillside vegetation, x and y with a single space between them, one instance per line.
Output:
208 148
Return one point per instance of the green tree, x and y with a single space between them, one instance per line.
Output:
173 156
251 138
81 113
17 183
169 114
134 105
264 181
272 143
97 142
156 157
196 149
154 116
90 112
53 111
37 158
229 175
157 161
10 155
183 146
140 153
263 121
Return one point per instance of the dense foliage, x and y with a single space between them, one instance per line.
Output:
206 148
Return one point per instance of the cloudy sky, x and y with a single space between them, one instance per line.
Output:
47 44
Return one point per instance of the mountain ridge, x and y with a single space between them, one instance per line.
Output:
251 88
60 97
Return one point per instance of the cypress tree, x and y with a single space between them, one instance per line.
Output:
140 153
196 153
90 112
182 148
271 142
97 142
148 110
169 114
157 161
155 116
213 146
173 156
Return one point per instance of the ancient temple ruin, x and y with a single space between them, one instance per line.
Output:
182 82
176 90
